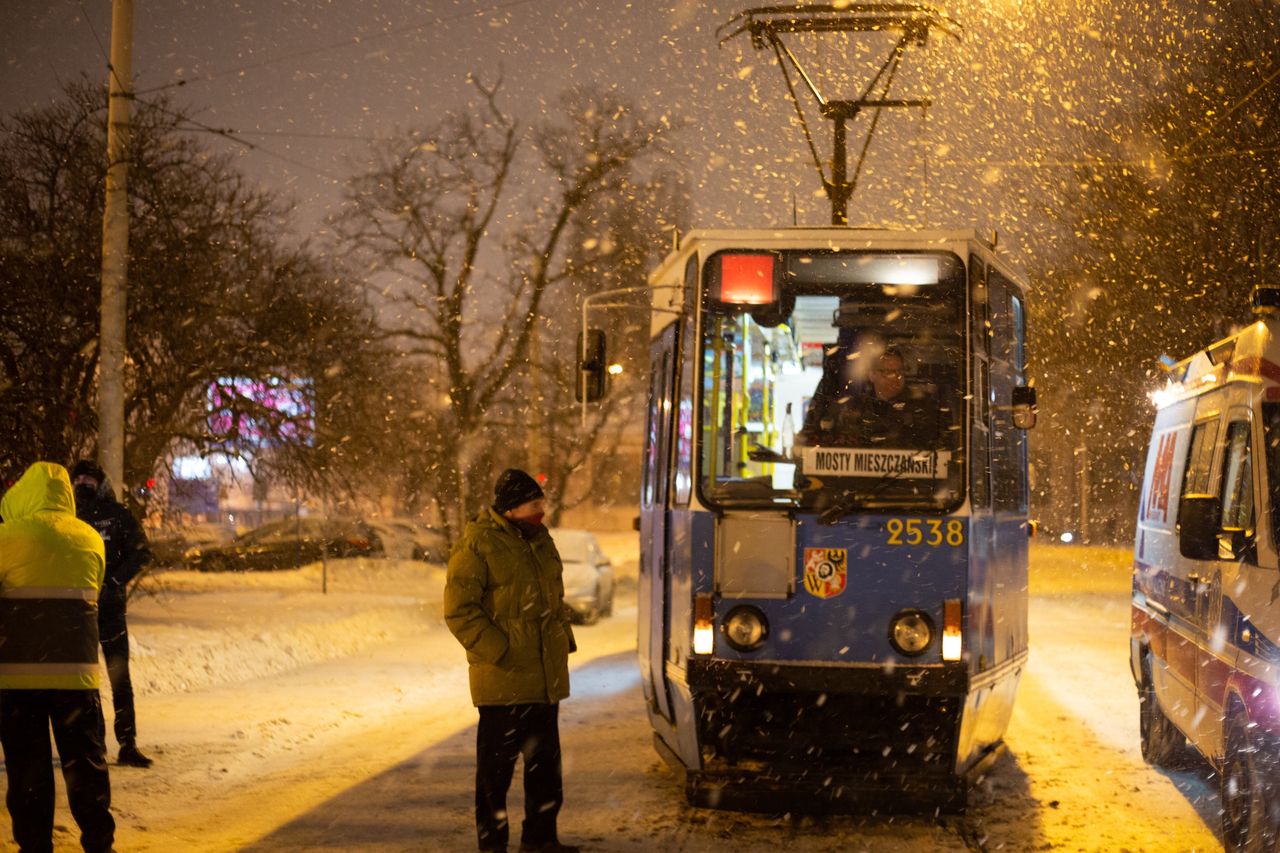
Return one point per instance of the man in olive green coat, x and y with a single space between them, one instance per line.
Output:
504 601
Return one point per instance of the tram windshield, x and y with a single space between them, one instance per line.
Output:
833 379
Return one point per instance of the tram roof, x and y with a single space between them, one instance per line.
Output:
666 281
832 237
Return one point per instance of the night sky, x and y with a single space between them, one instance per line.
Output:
1030 89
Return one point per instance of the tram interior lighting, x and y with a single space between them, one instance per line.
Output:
746 279
901 270
703 629
952 644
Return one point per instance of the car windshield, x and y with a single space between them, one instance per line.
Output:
844 386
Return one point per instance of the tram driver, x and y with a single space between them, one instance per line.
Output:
872 405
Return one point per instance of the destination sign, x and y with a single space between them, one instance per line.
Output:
864 462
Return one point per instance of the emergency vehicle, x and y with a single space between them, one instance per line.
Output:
1206 581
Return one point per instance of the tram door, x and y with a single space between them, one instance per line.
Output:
654 519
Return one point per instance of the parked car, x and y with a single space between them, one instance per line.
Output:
287 544
169 544
588 574
406 539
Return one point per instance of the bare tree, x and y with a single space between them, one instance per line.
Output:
214 293
468 237
1156 255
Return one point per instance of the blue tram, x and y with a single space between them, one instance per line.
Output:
833 574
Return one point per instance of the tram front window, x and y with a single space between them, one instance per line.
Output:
840 383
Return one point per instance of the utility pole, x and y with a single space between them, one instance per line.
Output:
535 427
1082 458
115 249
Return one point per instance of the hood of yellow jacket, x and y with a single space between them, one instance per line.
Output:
44 486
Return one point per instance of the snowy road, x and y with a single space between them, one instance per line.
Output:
360 736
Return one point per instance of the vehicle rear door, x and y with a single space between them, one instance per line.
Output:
1176 681
1216 655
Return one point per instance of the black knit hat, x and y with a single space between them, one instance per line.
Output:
90 468
514 487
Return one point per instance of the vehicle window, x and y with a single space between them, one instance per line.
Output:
1008 444
848 388
1019 338
1200 458
688 367
1237 479
1271 455
652 487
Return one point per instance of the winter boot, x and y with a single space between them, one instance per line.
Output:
130 757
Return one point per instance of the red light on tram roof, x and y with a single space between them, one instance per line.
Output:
746 279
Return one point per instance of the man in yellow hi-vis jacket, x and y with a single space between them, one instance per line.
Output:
51 568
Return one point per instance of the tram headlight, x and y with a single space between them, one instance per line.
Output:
745 628
911 632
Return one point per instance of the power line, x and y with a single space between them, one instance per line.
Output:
232 136
1237 105
347 137
1103 162
84 13
354 41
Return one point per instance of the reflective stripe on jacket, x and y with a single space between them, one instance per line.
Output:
504 601
51 569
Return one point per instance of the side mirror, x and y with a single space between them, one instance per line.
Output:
1235 543
1024 407
591 366
1199 523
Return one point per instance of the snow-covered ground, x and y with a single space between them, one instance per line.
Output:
282 717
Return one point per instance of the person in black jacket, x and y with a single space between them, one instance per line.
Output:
127 554
880 410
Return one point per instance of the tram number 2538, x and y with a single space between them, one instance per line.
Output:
932 532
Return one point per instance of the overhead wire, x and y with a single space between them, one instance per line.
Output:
237 136
233 136
354 41
102 50
1102 162
1237 105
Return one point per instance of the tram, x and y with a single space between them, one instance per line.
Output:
832 603
833 518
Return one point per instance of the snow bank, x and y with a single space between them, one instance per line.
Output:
195 630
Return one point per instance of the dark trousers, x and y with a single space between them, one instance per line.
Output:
76 716
505 733
114 632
